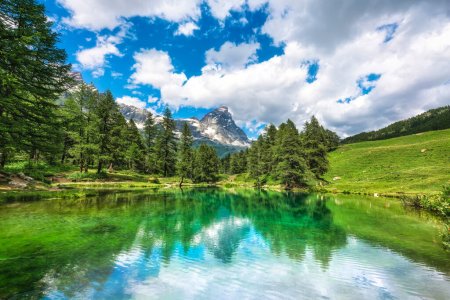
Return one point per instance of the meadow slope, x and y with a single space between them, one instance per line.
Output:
413 164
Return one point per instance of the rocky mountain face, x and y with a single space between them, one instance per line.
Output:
216 128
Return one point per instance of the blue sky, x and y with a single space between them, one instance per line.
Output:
356 67
187 53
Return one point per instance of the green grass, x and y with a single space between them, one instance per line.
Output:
417 164
40 171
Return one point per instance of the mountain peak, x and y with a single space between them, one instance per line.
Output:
222 108
219 125
216 126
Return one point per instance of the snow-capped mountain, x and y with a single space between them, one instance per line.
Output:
218 125
216 128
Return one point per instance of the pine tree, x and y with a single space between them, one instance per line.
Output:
206 165
166 146
332 140
107 112
185 154
225 164
316 147
118 141
33 74
255 163
291 167
238 162
136 149
81 140
150 135
267 148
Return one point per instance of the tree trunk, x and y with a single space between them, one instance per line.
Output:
181 182
2 159
99 167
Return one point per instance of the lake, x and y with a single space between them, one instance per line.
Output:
218 244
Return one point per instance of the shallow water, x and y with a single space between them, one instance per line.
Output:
219 244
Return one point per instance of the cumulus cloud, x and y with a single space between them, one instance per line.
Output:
131 101
154 67
413 64
231 56
112 12
95 58
406 43
220 9
186 29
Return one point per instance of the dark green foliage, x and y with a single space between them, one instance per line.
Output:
238 162
285 155
225 165
166 146
206 164
80 127
33 73
150 134
120 134
434 119
316 146
290 166
108 113
185 161
256 167
135 148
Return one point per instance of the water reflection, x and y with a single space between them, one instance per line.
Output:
212 243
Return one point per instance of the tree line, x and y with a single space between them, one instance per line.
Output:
285 155
97 135
434 119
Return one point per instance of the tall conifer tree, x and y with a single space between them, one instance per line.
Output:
185 154
166 146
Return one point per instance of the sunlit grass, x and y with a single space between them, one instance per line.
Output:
415 164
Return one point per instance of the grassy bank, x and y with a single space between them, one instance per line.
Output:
412 165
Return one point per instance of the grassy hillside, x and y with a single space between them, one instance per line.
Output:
414 164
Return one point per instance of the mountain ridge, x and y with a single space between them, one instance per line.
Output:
217 128
433 119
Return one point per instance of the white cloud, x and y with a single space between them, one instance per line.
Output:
152 99
100 14
83 14
95 58
115 74
155 68
414 66
186 29
231 56
221 8
131 101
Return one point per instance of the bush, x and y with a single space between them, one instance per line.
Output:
82 176
154 180
439 204
39 171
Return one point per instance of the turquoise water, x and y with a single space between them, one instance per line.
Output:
215 244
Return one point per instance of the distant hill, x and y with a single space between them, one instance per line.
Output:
434 119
